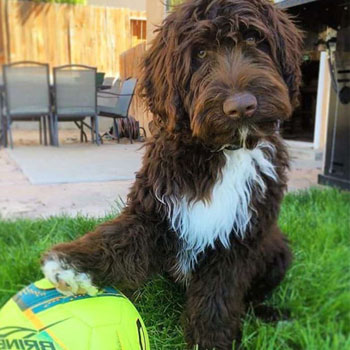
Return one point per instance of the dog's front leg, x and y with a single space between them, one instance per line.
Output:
214 308
116 253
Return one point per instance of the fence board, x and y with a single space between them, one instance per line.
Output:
61 34
3 31
130 67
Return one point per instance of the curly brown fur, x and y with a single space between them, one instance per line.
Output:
205 52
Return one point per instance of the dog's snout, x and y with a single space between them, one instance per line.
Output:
240 105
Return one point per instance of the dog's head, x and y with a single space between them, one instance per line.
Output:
223 69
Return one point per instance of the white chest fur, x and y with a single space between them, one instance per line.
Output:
201 223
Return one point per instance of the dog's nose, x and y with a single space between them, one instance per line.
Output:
240 105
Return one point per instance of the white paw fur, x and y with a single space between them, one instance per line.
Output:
66 279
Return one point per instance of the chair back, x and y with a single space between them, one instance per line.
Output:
109 81
75 90
99 79
27 88
126 94
116 86
108 102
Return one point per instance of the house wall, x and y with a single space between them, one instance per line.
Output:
156 12
323 94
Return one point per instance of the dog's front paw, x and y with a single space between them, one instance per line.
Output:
65 278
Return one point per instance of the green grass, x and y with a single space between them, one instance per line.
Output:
316 289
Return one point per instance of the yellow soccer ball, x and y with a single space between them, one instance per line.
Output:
40 318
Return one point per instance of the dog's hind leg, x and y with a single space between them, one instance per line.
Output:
120 252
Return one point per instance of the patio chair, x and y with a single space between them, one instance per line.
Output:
26 96
75 96
115 89
116 105
108 83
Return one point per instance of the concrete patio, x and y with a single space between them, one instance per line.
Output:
38 181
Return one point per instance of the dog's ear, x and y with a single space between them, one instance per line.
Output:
287 47
158 84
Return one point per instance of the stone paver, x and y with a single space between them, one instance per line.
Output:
19 198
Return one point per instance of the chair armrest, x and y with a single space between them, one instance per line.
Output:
124 94
112 94
107 95
104 87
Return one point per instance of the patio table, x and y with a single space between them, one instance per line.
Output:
3 140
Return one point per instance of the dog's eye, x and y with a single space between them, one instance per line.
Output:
202 54
251 40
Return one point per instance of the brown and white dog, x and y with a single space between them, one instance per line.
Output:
218 78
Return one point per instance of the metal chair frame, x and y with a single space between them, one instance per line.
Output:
94 118
116 116
10 117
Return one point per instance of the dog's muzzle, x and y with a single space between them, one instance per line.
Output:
234 147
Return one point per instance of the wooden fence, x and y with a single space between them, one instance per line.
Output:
63 34
130 67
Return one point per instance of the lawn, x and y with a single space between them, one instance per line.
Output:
316 289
